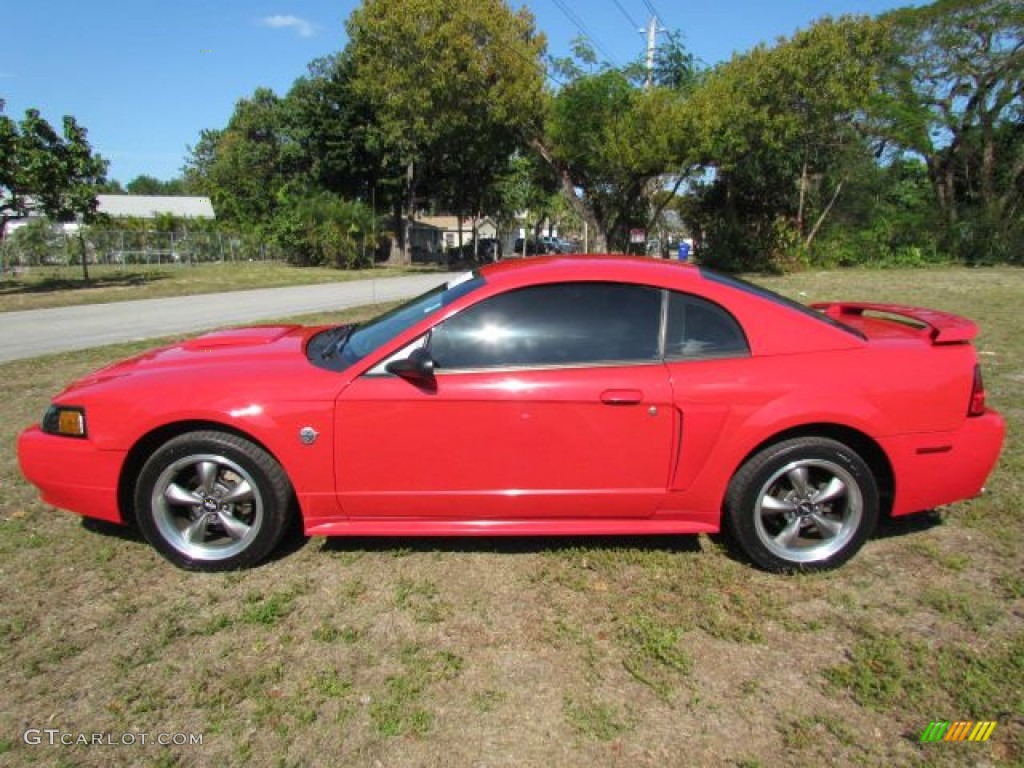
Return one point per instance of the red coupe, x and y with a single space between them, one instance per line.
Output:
562 395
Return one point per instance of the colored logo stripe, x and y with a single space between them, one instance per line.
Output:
982 731
935 731
960 730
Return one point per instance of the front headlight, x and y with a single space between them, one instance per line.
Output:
67 420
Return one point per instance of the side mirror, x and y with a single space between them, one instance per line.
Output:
418 367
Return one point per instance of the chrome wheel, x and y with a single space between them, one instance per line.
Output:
808 503
808 510
207 507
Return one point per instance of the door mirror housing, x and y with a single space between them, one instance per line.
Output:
418 367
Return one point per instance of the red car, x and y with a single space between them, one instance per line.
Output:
563 395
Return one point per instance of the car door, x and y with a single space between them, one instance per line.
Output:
546 401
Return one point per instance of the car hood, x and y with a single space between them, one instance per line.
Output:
259 351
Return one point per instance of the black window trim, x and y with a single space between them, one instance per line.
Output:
661 358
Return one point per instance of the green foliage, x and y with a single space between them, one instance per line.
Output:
885 217
335 135
37 242
319 229
243 167
453 86
609 138
149 185
802 153
953 96
777 125
58 172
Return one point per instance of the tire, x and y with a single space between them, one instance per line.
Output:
213 501
806 504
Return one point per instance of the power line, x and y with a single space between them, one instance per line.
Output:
625 13
578 23
653 10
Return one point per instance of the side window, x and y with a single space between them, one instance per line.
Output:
698 328
558 324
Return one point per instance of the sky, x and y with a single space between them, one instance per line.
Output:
144 77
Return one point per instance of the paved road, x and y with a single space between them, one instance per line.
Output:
40 331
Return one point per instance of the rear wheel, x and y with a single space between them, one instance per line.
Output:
805 504
212 501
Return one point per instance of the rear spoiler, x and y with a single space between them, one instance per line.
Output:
940 327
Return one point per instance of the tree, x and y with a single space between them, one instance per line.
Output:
320 229
524 187
150 185
59 173
954 95
244 167
12 192
608 141
333 128
449 81
774 126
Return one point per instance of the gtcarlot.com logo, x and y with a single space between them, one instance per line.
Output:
55 737
958 730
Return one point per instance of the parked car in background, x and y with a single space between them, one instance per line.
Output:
534 247
489 249
552 396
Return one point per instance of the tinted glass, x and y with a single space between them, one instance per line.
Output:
698 328
560 324
337 348
764 293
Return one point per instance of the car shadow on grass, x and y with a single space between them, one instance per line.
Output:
292 541
113 530
509 545
891 527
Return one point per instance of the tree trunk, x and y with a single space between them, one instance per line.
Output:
85 255
803 198
398 242
598 233
656 212
410 211
824 213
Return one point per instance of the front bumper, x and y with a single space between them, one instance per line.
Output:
72 474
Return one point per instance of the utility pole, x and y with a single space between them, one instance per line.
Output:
651 31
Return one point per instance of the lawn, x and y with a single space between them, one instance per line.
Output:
568 652
61 286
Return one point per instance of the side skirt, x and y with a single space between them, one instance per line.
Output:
392 526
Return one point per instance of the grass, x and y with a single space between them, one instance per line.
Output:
571 652
61 286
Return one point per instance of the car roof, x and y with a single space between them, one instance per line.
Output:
590 267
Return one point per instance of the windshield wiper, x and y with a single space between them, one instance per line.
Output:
332 346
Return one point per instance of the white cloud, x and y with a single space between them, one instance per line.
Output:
302 27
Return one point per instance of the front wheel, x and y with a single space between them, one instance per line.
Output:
212 501
805 504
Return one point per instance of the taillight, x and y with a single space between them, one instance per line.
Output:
977 406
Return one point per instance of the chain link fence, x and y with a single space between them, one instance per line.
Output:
131 247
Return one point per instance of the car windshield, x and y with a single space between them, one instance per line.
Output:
366 339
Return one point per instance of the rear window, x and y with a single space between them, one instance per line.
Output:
776 298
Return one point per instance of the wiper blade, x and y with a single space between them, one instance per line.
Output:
331 346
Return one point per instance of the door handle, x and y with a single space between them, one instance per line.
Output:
621 396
